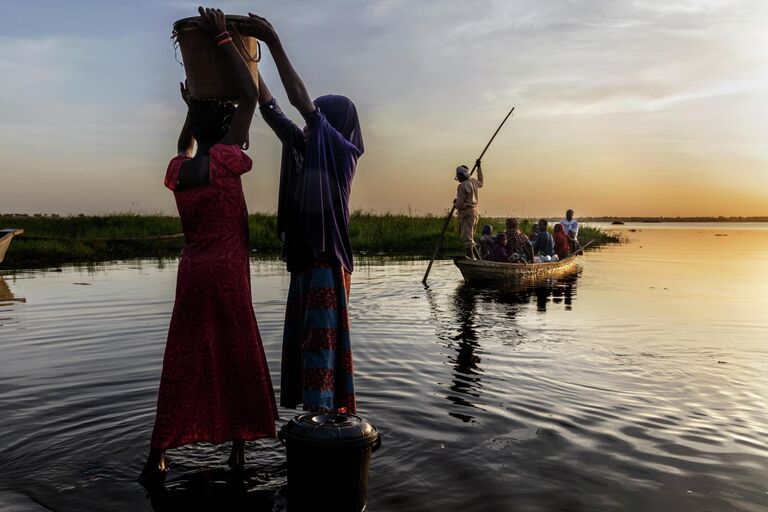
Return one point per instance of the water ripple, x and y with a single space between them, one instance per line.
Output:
556 396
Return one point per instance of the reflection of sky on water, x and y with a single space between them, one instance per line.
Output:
652 382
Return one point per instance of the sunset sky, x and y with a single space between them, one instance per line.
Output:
622 107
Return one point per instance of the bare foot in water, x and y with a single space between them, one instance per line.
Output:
237 456
155 470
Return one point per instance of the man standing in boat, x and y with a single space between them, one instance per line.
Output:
466 204
571 228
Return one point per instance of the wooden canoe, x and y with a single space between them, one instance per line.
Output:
481 271
6 235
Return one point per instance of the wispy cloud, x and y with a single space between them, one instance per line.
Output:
641 86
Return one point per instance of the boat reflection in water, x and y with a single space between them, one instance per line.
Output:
559 289
6 295
466 363
475 312
7 298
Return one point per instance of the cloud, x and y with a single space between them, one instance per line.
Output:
600 85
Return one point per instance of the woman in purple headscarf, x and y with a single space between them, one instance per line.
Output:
318 164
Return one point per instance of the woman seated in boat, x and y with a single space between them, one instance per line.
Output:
517 242
499 250
486 241
562 241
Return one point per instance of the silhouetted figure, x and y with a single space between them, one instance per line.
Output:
215 386
316 171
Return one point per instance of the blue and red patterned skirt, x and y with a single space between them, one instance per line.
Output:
317 353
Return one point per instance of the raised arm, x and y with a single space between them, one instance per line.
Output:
285 129
186 142
262 29
216 25
265 96
479 174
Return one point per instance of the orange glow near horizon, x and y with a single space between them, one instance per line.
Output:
641 108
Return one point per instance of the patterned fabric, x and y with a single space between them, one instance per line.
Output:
317 355
215 384
517 243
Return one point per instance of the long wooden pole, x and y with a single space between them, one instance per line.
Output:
453 208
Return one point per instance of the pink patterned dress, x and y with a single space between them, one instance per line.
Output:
215 386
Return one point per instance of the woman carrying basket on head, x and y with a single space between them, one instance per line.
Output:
318 164
215 385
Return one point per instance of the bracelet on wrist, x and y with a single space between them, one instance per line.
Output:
224 35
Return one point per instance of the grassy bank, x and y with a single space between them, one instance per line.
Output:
53 240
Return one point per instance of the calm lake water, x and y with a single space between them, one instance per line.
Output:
638 383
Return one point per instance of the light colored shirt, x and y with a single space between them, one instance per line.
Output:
466 192
570 225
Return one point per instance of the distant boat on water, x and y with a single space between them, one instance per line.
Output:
617 223
6 235
493 272
490 272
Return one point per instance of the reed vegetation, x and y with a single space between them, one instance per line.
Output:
53 240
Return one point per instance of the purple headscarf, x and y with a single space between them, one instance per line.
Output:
315 181
342 114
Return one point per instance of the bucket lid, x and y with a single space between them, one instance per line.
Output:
333 429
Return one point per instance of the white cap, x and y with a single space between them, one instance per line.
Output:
463 170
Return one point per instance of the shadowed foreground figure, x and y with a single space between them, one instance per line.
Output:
318 164
215 386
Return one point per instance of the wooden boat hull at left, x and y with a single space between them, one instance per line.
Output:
6 235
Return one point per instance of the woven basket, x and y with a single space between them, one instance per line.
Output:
208 76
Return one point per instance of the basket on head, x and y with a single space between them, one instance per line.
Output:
208 76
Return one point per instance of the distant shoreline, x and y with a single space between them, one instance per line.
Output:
54 240
673 219
601 218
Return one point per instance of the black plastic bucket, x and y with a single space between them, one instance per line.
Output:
328 460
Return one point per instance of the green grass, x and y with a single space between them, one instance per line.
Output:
53 240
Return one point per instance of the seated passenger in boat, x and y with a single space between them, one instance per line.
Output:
543 244
486 241
517 242
562 242
533 233
499 250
